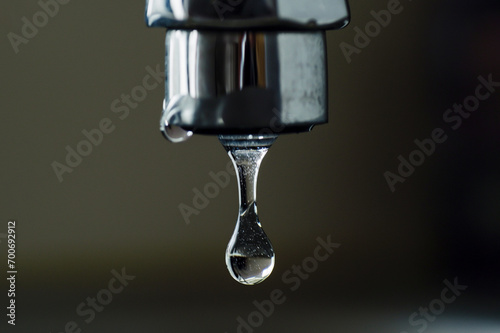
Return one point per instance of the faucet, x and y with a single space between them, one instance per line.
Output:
245 70
244 66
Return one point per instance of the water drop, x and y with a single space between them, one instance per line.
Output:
249 254
175 134
171 132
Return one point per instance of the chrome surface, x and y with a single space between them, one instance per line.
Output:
248 14
245 81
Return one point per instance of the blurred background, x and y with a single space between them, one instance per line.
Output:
119 208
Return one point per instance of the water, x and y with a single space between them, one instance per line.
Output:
249 254
172 133
175 134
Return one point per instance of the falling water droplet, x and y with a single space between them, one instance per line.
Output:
249 254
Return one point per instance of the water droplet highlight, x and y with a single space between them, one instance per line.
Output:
249 255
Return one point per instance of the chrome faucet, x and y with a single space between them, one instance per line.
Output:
245 66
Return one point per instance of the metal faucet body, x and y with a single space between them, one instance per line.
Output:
245 66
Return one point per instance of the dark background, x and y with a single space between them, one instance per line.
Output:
119 207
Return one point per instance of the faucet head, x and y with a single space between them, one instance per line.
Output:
244 67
